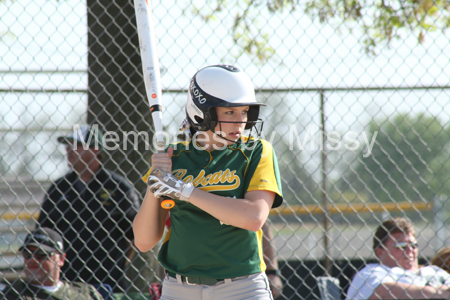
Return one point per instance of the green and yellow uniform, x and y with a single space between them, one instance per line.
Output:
198 244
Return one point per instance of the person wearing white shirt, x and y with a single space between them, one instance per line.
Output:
398 275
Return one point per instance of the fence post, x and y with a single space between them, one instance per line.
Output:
324 190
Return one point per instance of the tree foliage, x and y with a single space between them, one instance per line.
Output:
298 182
408 161
379 22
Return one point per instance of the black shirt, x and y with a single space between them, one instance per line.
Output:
95 220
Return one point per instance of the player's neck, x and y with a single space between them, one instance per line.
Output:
209 141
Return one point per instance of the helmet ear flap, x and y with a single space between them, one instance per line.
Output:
252 116
202 124
212 115
209 121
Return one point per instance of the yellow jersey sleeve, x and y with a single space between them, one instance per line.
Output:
266 175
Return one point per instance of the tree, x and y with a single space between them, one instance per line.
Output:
406 164
299 186
116 101
298 183
379 22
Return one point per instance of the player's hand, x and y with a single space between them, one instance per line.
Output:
163 183
276 285
163 161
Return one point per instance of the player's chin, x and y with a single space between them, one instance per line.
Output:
232 141
408 264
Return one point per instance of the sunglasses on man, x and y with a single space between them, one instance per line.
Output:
38 254
404 245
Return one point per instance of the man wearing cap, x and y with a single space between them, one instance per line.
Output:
43 254
93 208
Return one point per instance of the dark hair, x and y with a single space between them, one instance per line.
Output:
388 227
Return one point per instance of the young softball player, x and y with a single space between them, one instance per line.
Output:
223 185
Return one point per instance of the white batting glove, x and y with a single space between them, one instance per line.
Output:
163 183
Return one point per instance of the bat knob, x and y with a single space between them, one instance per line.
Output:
168 204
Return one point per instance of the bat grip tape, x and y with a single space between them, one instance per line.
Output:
155 107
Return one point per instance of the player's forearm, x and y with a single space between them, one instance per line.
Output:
392 290
148 225
249 213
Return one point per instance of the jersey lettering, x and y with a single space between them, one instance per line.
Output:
218 181
197 94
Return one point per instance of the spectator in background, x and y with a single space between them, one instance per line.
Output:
442 259
43 254
93 208
398 275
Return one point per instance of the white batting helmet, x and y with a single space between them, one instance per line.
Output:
219 86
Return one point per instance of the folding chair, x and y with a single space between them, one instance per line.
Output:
329 288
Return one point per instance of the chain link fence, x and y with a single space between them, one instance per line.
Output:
359 137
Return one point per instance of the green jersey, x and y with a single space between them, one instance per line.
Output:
197 243
67 291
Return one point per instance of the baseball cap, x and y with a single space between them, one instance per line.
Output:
89 135
45 239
